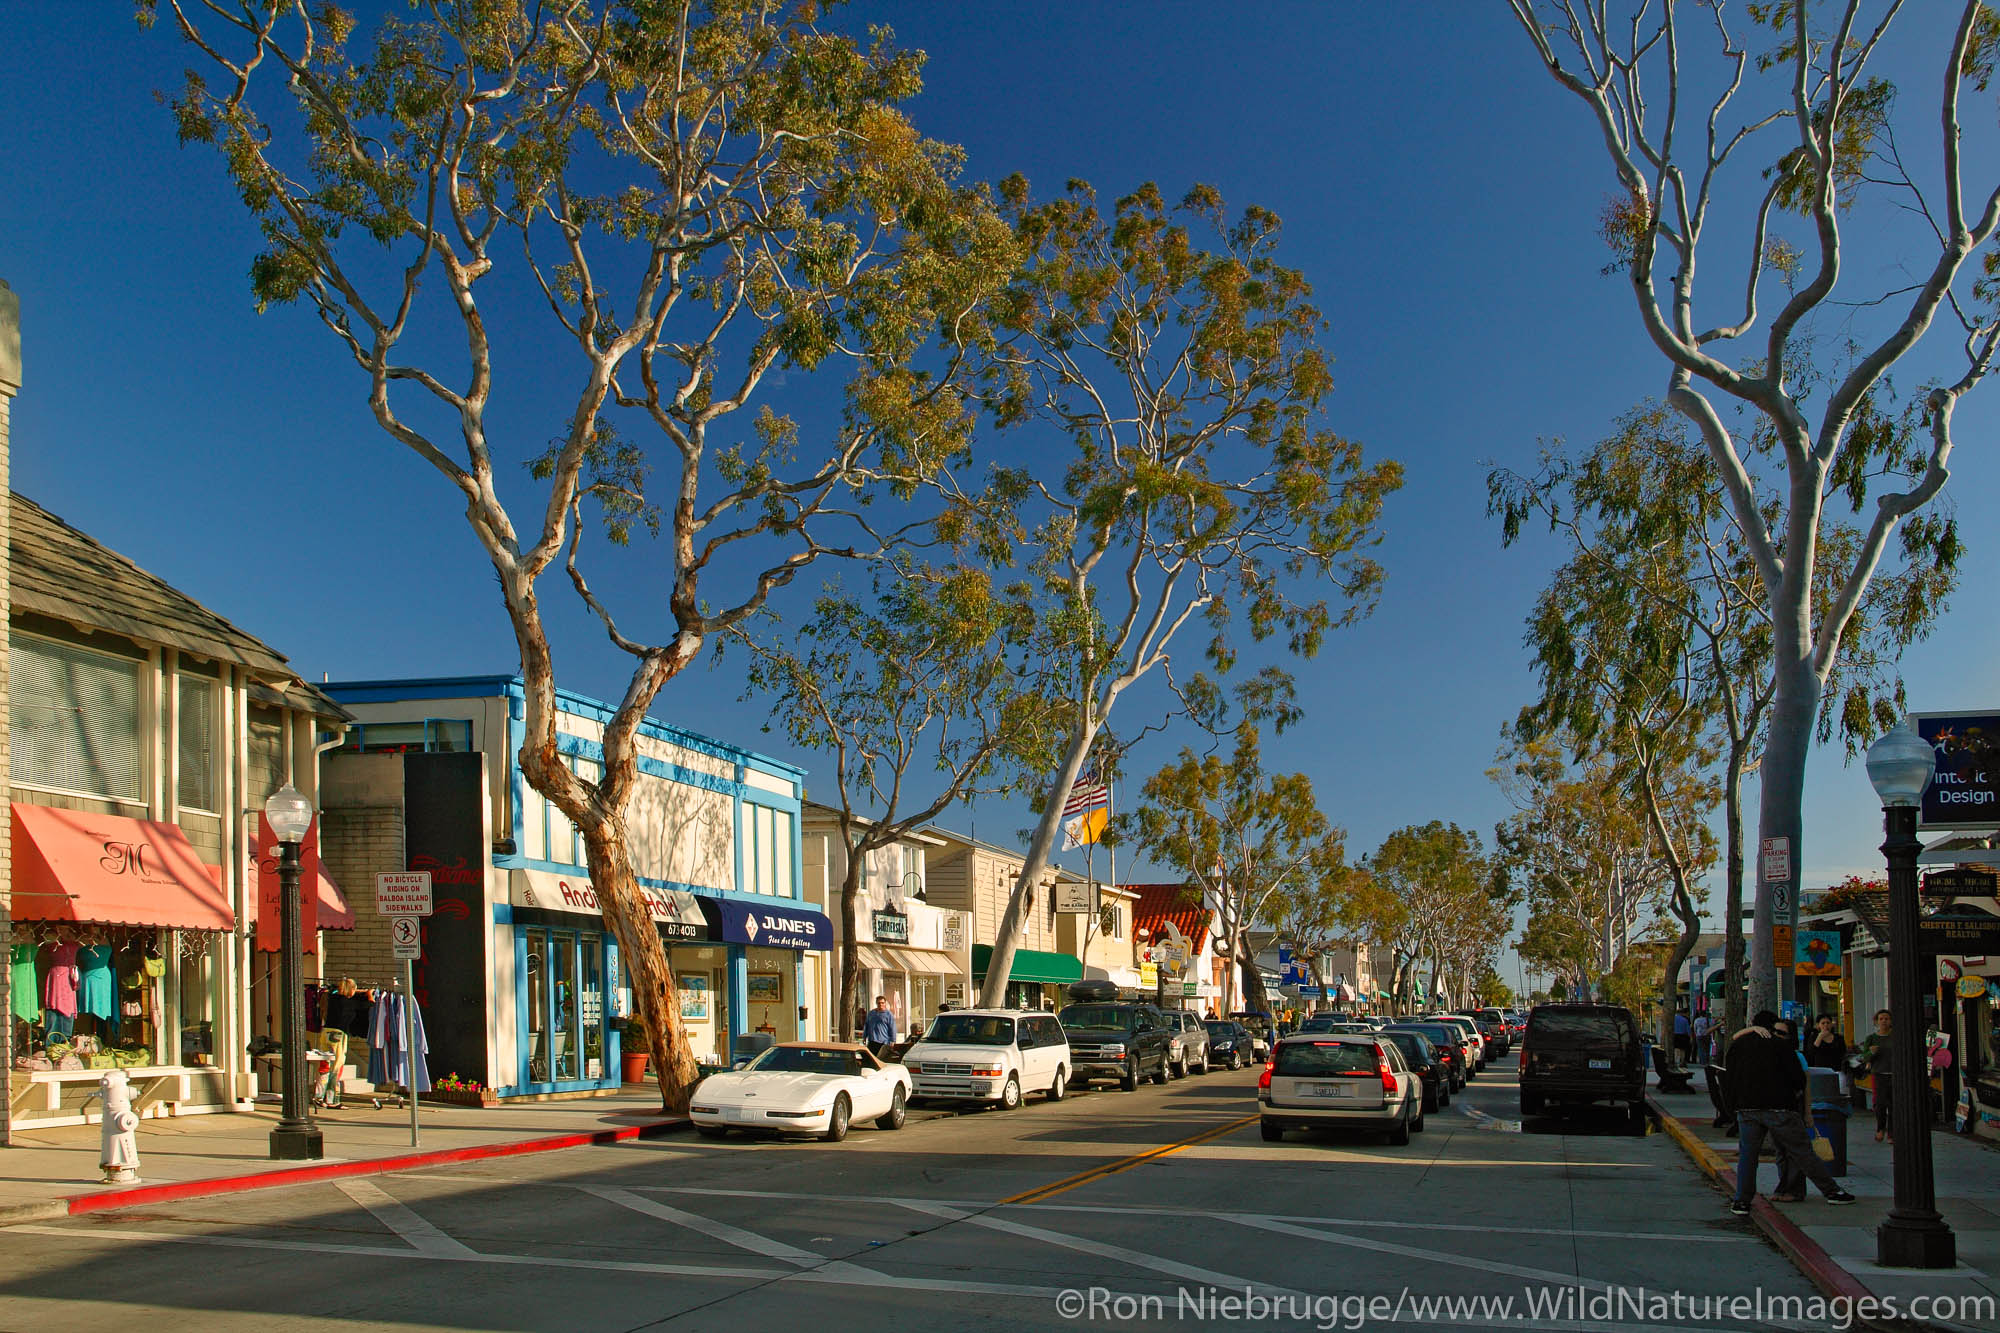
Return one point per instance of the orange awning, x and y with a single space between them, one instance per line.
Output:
111 870
334 913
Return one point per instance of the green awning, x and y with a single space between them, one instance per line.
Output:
1056 969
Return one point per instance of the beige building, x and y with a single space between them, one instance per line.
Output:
1105 940
975 877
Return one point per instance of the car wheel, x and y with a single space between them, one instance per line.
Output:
1235 1061
1417 1125
711 1131
1163 1073
1130 1083
1176 1069
1010 1096
836 1124
1635 1118
1400 1135
1059 1086
1272 1134
897 1113
1204 1066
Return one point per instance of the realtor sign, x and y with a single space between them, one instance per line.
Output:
1965 788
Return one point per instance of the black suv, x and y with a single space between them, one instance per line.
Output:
1117 1039
1575 1054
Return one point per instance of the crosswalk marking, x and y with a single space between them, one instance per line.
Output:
399 1218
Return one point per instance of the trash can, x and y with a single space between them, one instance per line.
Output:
1829 1114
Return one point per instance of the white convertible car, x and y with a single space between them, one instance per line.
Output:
803 1087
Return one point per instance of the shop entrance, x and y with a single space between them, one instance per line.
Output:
564 999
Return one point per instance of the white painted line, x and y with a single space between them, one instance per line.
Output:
1411 1252
396 1216
1588 1233
707 1226
1181 1272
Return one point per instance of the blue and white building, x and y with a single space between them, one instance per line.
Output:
520 977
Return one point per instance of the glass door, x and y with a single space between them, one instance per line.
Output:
567 1027
538 1006
592 1006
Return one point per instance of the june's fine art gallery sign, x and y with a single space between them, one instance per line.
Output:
1965 788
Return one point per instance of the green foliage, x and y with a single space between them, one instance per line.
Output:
1436 901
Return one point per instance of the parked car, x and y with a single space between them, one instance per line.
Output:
803 1087
1115 1039
1427 1062
1188 1050
1339 1082
1471 1030
1228 1043
991 1055
1493 1027
1576 1054
1263 1031
1451 1045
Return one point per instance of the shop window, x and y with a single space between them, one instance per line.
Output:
767 851
433 735
562 843
566 1027
74 717
198 968
1111 922
197 744
538 1005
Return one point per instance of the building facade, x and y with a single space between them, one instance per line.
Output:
974 877
520 978
145 733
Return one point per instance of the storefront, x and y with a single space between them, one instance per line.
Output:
1036 980
120 947
763 978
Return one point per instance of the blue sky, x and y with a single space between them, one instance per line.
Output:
1438 189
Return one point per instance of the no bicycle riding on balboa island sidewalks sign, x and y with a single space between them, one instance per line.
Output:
1965 788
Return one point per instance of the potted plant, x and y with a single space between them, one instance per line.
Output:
452 1090
632 1050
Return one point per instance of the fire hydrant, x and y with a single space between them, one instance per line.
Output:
119 1130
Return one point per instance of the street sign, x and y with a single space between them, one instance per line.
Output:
403 893
1777 860
1781 945
1962 881
406 936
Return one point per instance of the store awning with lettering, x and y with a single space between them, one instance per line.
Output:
901 958
1032 965
111 870
330 904
676 912
783 923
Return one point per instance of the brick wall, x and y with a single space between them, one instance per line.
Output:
357 843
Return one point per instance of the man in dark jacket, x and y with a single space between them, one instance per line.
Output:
1767 1086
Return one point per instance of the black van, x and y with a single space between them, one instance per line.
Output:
1576 1054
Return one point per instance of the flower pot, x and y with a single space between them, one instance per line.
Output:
632 1066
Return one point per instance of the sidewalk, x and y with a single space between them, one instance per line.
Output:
54 1172
1835 1247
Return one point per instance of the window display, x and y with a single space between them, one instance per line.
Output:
87 997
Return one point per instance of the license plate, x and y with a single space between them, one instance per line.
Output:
1326 1090
1600 1064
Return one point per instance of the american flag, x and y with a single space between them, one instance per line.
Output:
1086 813
1086 795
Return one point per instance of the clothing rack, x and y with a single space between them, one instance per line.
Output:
399 1096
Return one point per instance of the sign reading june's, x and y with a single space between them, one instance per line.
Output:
1965 788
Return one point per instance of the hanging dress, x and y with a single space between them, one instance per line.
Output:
27 1001
100 991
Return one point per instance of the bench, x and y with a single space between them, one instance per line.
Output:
154 1088
1671 1079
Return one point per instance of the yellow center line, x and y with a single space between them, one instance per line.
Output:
1125 1163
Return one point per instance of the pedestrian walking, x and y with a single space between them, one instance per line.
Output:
1683 1035
1702 1023
1767 1086
1873 1055
879 1031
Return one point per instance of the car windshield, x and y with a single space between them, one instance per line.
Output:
1098 1018
1586 1024
1311 1058
972 1030
1415 1046
1221 1031
1319 1023
807 1060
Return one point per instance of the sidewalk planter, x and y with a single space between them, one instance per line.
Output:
461 1097
632 1066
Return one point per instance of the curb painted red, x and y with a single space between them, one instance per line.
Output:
140 1195
1804 1252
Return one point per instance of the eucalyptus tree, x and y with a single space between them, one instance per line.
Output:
1580 851
1240 834
1778 147
1322 907
1441 885
1176 365
1660 578
639 213
930 684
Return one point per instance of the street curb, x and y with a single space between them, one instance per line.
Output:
1804 1252
141 1195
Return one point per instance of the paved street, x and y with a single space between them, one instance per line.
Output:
975 1221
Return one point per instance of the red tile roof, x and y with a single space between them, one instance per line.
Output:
1178 903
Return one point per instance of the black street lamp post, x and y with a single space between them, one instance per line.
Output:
1914 1235
296 1138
